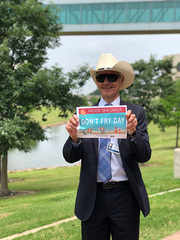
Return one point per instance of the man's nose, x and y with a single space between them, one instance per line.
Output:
106 80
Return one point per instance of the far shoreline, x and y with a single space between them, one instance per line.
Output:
53 124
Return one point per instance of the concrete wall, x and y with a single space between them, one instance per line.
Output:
177 163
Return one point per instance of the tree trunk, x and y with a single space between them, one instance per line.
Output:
4 179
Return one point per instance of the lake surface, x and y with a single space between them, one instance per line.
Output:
43 154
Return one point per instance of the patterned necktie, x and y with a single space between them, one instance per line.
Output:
104 167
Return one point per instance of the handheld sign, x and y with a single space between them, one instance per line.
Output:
102 122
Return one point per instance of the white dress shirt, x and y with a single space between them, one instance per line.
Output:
117 170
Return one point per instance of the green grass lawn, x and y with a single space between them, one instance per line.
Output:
53 194
51 118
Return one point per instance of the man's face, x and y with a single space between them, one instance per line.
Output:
110 90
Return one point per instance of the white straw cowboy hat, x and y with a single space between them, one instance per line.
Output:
107 62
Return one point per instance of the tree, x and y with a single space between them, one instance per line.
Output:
170 116
94 99
96 92
27 29
153 80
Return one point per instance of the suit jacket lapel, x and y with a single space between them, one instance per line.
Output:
95 141
119 141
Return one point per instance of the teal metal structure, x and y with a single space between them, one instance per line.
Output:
118 17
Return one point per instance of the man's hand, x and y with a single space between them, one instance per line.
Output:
71 127
131 122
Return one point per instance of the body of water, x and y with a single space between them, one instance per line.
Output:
43 154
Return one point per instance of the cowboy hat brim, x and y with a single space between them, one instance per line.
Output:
123 68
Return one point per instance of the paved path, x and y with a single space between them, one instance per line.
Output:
161 193
38 229
175 236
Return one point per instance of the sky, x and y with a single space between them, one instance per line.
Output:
76 50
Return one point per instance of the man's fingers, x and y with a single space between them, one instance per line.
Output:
131 122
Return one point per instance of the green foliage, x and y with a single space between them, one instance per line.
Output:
170 106
96 92
78 77
27 30
94 99
178 66
153 80
85 101
16 133
52 116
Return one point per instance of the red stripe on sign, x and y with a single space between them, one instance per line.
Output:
99 110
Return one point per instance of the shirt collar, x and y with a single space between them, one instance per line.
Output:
116 102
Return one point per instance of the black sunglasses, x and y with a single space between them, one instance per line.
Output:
111 77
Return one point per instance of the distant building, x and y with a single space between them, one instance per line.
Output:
176 64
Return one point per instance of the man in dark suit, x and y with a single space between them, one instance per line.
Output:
111 205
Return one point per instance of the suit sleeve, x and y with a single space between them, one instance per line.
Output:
72 152
140 147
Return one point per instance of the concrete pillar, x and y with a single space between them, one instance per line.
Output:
177 163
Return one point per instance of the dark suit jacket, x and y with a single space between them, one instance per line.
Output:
132 152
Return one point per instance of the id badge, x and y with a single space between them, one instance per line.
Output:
113 148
